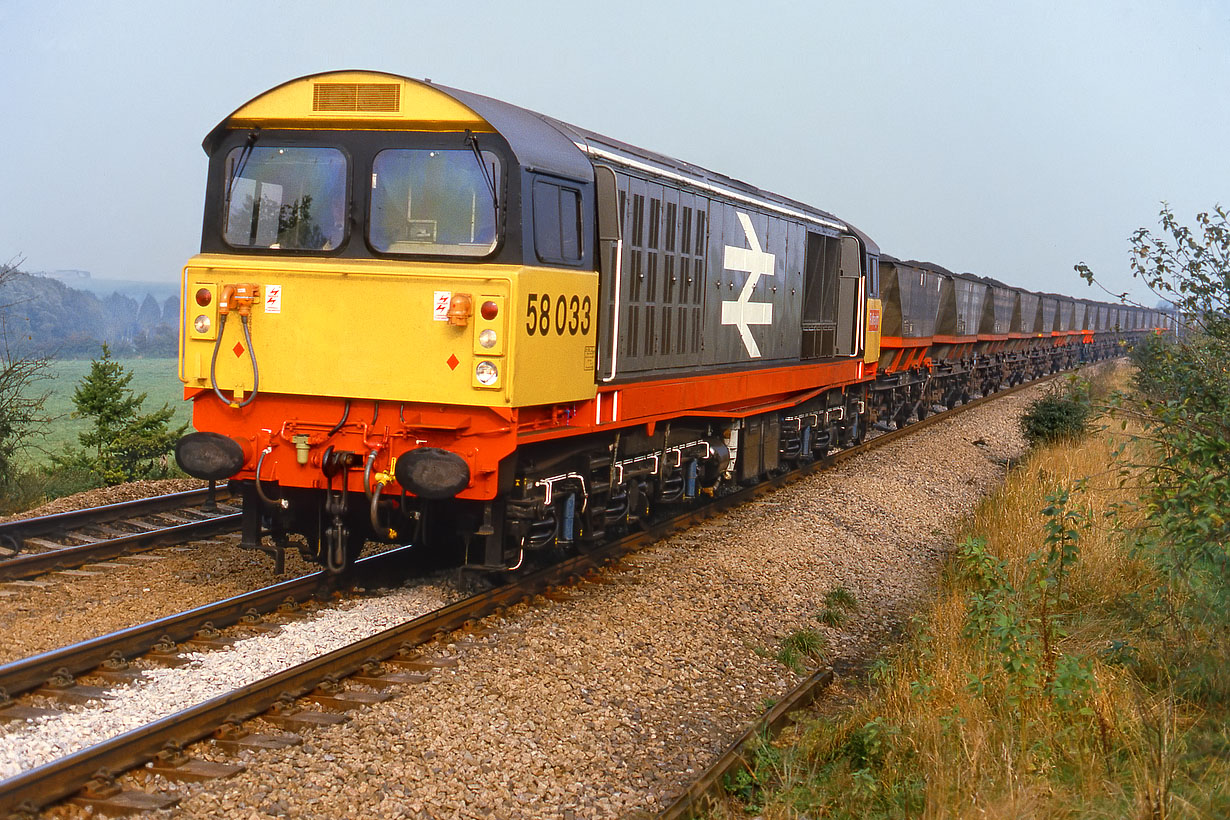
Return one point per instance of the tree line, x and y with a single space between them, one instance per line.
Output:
48 318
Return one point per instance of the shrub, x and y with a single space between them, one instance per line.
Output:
802 644
1182 409
124 444
838 604
1059 415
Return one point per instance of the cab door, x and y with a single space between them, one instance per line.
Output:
850 296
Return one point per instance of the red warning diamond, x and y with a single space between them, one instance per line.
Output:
238 348
453 361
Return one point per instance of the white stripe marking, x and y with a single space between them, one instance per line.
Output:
705 186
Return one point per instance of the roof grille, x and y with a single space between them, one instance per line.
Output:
356 97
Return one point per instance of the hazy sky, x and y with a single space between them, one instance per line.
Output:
1011 140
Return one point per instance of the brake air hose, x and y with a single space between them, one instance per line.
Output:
213 365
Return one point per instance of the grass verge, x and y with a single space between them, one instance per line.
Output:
1040 683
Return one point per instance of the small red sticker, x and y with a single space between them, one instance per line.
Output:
238 348
452 362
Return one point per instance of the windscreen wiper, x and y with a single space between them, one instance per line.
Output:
472 140
242 162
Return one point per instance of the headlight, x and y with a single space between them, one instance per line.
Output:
201 324
487 338
486 373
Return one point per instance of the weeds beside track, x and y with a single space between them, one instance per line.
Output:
1039 683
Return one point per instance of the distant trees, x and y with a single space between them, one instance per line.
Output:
156 336
40 317
56 320
48 318
150 313
170 311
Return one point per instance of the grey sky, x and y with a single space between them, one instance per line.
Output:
1011 140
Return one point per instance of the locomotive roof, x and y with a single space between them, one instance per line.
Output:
518 125
539 142
605 148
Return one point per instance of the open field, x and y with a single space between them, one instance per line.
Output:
155 377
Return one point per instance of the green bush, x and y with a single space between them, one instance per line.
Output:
1180 412
123 444
31 487
1059 415
798 646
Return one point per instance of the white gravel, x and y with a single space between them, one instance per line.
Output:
164 691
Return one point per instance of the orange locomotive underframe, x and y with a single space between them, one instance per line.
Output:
286 436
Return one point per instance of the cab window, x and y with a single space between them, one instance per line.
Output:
285 198
557 223
434 202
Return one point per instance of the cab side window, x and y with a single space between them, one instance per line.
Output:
557 223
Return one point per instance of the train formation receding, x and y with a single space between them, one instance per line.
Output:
421 315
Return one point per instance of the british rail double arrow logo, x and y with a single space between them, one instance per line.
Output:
743 313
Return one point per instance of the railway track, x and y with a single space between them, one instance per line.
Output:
30 547
373 661
699 796
52 673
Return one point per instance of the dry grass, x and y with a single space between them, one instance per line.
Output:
1000 721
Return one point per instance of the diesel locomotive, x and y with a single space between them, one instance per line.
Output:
425 316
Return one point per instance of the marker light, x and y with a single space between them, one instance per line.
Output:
460 309
486 373
489 311
204 296
201 324
487 338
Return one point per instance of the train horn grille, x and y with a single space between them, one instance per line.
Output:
356 97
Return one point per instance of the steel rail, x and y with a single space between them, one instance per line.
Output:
57 522
30 673
691 803
40 563
54 781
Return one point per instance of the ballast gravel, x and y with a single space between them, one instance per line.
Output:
110 495
610 702
58 609
165 691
